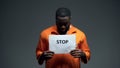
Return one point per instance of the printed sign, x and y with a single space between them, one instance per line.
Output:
61 44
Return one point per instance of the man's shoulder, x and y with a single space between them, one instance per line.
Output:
78 30
47 30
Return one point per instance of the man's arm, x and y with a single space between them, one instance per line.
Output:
39 51
42 52
85 55
82 51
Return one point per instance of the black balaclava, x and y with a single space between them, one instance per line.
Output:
62 12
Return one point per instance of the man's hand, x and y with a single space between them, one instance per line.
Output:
48 54
45 56
77 53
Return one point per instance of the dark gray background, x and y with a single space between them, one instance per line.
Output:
21 21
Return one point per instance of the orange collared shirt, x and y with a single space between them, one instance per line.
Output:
62 60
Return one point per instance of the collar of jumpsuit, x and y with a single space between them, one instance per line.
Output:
70 31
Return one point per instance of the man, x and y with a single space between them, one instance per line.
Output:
62 27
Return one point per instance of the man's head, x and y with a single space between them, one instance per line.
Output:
63 16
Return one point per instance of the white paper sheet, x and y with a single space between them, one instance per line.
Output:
61 44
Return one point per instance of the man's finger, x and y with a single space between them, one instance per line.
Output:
77 56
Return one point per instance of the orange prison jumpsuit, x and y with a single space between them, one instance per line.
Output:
62 60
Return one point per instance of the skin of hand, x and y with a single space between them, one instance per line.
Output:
48 54
45 56
76 53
